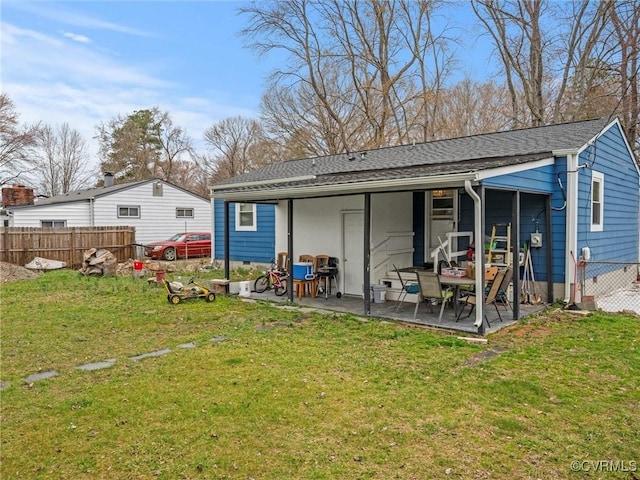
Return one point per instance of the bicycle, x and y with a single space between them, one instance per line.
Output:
272 278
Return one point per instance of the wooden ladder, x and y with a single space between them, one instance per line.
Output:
500 243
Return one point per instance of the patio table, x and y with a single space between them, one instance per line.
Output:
457 283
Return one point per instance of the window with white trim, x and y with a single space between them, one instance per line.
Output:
128 211
597 201
53 223
184 212
246 216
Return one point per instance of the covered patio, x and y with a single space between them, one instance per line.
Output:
387 310
387 208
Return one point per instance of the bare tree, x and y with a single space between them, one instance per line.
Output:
15 142
625 20
543 47
236 146
61 160
354 71
470 108
188 175
176 146
142 145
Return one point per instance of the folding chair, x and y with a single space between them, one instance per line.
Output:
502 296
407 287
431 290
490 298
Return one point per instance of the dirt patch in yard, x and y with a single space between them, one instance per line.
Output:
485 355
11 273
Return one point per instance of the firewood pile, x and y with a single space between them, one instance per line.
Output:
99 262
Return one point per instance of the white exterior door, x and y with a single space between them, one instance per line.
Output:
352 266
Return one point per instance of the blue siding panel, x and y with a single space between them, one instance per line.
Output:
536 180
618 240
255 246
498 204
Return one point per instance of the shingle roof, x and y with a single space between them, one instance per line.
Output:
87 194
436 158
93 193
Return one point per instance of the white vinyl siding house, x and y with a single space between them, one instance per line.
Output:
157 209
74 214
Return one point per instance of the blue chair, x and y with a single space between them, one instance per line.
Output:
407 287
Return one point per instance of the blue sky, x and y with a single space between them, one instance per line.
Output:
84 62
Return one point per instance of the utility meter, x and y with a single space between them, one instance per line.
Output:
536 240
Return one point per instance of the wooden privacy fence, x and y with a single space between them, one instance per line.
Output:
20 245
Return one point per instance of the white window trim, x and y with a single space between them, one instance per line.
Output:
191 209
53 222
251 228
597 177
129 216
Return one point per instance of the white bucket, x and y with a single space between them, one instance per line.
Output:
379 293
245 289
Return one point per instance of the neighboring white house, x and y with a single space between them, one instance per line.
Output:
156 208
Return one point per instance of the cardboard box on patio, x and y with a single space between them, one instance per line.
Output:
471 270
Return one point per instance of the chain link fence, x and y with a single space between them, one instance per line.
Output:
611 286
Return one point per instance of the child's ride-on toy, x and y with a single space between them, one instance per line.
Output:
178 292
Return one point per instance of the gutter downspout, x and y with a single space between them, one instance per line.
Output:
571 238
478 239
92 214
213 229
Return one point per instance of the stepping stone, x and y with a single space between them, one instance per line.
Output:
41 376
97 365
187 345
219 338
157 353
4 385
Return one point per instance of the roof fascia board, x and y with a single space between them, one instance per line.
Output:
565 152
257 183
496 172
353 188
44 205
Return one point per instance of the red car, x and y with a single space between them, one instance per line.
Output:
181 245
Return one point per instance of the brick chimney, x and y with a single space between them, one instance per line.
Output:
17 195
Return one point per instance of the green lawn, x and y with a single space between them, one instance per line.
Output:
294 395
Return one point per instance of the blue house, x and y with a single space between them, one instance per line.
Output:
251 229
568 195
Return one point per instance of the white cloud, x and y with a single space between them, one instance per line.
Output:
54 80
58 14
76 37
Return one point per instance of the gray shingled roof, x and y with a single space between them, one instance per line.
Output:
87 194
93 193
431 158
